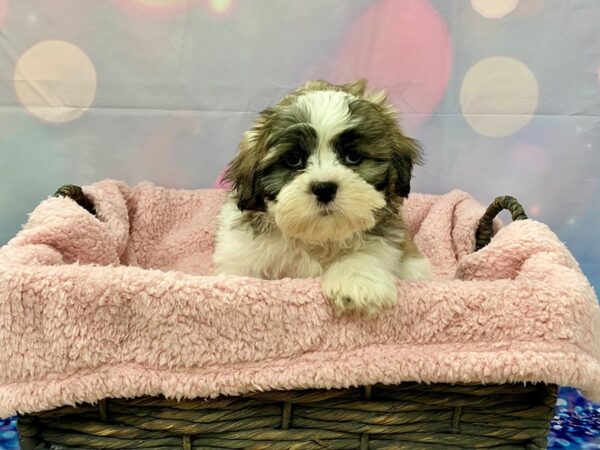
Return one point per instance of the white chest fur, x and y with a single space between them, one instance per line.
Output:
358 274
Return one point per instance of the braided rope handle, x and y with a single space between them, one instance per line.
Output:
76 193
485 231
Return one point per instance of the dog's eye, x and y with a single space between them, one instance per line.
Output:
352 157
293 160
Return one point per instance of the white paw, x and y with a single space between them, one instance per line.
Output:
363 292
412 268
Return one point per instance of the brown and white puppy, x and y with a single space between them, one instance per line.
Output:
318 185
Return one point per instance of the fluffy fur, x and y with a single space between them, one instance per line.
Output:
278 225
79 332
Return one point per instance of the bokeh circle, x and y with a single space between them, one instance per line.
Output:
494 9
400 46
220 8
499 96
3 10
55 81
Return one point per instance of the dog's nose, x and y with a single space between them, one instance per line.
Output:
325 192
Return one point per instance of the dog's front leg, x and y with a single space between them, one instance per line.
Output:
365 279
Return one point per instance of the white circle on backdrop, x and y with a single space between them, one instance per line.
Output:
499 96
494 9
55 81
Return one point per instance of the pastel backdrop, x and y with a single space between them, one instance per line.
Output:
503 94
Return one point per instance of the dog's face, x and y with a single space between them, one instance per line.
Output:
324 162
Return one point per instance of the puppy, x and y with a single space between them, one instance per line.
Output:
318 185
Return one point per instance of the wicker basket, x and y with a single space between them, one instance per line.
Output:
406 416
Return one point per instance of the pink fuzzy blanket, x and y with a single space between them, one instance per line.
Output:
125 305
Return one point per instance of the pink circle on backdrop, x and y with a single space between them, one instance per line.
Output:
529 158
403 47
3 9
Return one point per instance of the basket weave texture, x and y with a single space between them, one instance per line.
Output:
407 416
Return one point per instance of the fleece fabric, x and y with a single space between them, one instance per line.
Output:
126 305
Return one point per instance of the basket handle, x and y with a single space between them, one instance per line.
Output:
485 231
76 193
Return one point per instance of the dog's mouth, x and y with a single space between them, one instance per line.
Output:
326 210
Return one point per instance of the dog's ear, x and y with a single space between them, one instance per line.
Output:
356 88
406 153
242 172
